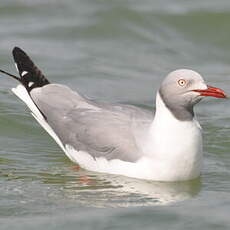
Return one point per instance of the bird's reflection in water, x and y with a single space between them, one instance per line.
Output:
105 190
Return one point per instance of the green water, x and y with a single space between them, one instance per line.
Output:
117 51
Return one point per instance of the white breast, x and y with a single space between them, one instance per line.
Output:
175 146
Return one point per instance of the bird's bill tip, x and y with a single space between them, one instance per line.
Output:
211 92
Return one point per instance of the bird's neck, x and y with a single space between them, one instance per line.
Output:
175 145
165 121
180 109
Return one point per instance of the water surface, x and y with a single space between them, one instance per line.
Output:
117 51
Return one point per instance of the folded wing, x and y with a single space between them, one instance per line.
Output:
102 130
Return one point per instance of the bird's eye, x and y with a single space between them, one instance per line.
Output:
181 82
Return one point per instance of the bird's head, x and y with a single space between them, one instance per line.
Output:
183 88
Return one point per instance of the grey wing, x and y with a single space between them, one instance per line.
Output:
102 130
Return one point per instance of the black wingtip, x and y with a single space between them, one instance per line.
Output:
16 50
19 55
31 76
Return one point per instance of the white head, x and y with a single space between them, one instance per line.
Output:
182 89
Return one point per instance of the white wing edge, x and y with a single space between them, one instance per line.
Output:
21 92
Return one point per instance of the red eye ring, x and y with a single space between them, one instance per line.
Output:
181 82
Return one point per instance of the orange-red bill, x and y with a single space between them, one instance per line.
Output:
211 92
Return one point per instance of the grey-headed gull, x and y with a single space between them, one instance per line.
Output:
116 138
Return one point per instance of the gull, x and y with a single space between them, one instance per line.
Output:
165 145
